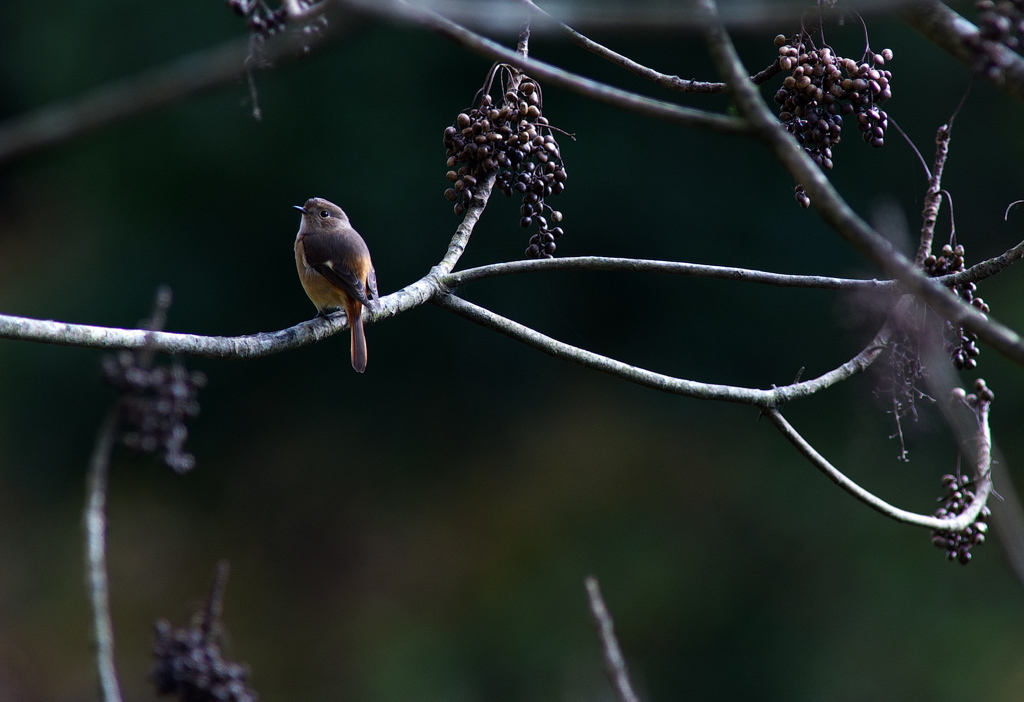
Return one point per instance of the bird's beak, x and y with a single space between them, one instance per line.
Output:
300 208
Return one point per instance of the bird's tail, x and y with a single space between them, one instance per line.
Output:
355 320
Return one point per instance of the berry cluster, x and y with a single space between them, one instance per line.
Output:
964 349
821 89
957 544
266 22
192 667
154 404
515 141
1000 23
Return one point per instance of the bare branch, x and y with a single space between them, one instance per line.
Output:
982 449
60 122
95 520
639 265
950 31
659 381
837 213
614 662
985 269
933 197
647 17
599 92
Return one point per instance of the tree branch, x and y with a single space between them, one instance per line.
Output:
599 92
947 29
669 82
95 521
614 662
985 269
659 381
837 213
933 197
983 465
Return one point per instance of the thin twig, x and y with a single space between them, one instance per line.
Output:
933 196
982 447
614 662
669 82
215 601
595 90
95 521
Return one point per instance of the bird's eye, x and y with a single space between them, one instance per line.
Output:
325 214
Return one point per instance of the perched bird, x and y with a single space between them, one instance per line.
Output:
335 268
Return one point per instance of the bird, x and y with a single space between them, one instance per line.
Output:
335 268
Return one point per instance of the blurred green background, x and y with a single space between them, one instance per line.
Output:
422 532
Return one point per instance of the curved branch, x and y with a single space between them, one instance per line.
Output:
639 265
597 91
659 381
95 521
983 467
837 213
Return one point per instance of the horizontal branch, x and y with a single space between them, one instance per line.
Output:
979 271
639 265
597 91
982 449
640 16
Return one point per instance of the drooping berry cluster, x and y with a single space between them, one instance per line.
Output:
192 667
189 662
1000 23
154 404
958 496
515 141
824 87
963 346
266 22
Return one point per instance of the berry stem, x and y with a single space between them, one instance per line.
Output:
933 197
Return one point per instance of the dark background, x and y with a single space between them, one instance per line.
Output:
421 532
